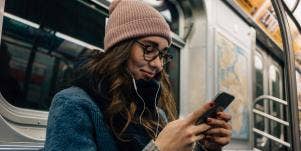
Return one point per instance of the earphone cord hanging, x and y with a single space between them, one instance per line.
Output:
140 117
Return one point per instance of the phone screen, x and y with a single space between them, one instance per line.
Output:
222 101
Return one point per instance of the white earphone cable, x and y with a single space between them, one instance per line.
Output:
140 117
157 129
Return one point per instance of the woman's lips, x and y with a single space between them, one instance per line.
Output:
148 74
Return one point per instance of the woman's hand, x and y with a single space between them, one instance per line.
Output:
181 134
220 132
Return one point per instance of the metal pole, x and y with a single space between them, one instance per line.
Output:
2 4
289 74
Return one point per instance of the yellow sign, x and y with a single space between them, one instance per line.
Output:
250 6
264 15
266 19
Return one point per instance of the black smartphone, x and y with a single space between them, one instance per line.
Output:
222 100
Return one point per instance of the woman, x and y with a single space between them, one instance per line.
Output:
121 99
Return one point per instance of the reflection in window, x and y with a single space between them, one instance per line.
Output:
259 75
41 54
36 62
276 109
259 85
267 69
171 15
275 89
275 79
259 90
9 86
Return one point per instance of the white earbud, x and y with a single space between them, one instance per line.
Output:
134 83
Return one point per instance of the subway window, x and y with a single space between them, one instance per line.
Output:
258 75
276 108
259 90
173 70
35 63
40 48
169 12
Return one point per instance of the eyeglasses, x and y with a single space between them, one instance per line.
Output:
151 52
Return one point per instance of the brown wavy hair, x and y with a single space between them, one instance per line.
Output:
112 66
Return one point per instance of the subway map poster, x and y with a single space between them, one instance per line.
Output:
232 76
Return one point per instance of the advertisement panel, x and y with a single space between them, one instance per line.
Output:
262 12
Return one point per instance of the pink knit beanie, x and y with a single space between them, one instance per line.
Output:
132 19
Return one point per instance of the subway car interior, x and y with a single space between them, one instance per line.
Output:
239 46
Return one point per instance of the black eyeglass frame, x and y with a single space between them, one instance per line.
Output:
162 54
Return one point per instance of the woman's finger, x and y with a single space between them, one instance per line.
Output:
219 123
218 132
224 116
195 115
199 137
216 122
198 129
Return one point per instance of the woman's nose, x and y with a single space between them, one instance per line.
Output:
157 63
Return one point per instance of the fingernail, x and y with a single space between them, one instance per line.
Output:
219 114
211 104
209 120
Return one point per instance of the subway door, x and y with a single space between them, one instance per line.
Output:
268 81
